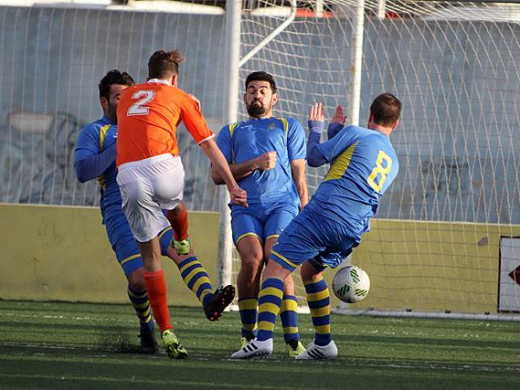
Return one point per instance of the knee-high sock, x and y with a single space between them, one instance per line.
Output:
141 304
289 317
179 224
196 278
156 287
318 299
269 302
248 310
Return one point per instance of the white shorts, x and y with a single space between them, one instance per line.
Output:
147 187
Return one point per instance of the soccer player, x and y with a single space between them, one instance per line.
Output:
151 177
94 158
363 164
267 158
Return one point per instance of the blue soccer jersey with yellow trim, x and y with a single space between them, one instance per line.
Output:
93 139
363 164
249 139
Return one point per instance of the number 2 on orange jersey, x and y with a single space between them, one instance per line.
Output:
139 107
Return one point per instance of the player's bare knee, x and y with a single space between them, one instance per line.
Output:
136 280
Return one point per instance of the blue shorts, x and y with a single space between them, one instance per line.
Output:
125 246
314 237
263 221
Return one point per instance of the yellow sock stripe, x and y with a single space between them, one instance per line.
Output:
200 282
322 329
270 291
266 325
321 312
285 259
289 305
147 313
141 305
195 261
290 330
193 273
270 307
136 295
129 258
313 281
248 234
318 296
161 234
248 304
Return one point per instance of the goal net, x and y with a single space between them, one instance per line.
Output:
445 239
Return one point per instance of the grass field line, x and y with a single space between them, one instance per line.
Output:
140 381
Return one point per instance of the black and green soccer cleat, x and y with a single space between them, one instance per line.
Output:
173 346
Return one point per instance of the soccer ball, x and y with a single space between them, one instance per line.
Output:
351 284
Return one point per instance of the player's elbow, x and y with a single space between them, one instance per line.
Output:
217 179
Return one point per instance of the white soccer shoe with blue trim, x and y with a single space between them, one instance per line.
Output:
317 352
254 348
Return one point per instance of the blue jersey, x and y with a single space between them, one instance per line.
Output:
363 165
244 141
93 139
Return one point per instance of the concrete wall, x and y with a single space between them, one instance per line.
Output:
61 253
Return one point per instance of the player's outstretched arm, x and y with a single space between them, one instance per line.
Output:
263 162
316 125
237 194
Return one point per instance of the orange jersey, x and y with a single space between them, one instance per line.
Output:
147 118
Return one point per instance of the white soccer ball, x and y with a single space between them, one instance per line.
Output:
351 284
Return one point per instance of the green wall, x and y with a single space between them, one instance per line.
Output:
62 253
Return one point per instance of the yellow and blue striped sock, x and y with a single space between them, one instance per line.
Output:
248 310
318 299
196 278
289 317
141 304
269 302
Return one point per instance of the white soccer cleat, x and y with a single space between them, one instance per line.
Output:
316 352
255 348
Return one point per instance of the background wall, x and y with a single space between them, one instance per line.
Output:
61 253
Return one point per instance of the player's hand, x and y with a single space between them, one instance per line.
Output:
339 116
316 120
266 161
316 113
337 122
238 196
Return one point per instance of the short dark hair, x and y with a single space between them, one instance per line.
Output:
114 76
385 109
163 64
262 76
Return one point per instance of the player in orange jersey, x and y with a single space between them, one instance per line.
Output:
151 175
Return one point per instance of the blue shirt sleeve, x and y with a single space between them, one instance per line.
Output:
89 161
335 146
314 156
224 143
334 129
295 140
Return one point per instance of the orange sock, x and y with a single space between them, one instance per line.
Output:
179 223
156 287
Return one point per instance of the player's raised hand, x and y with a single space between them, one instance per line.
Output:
316 113
339 116
266 161
238 196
